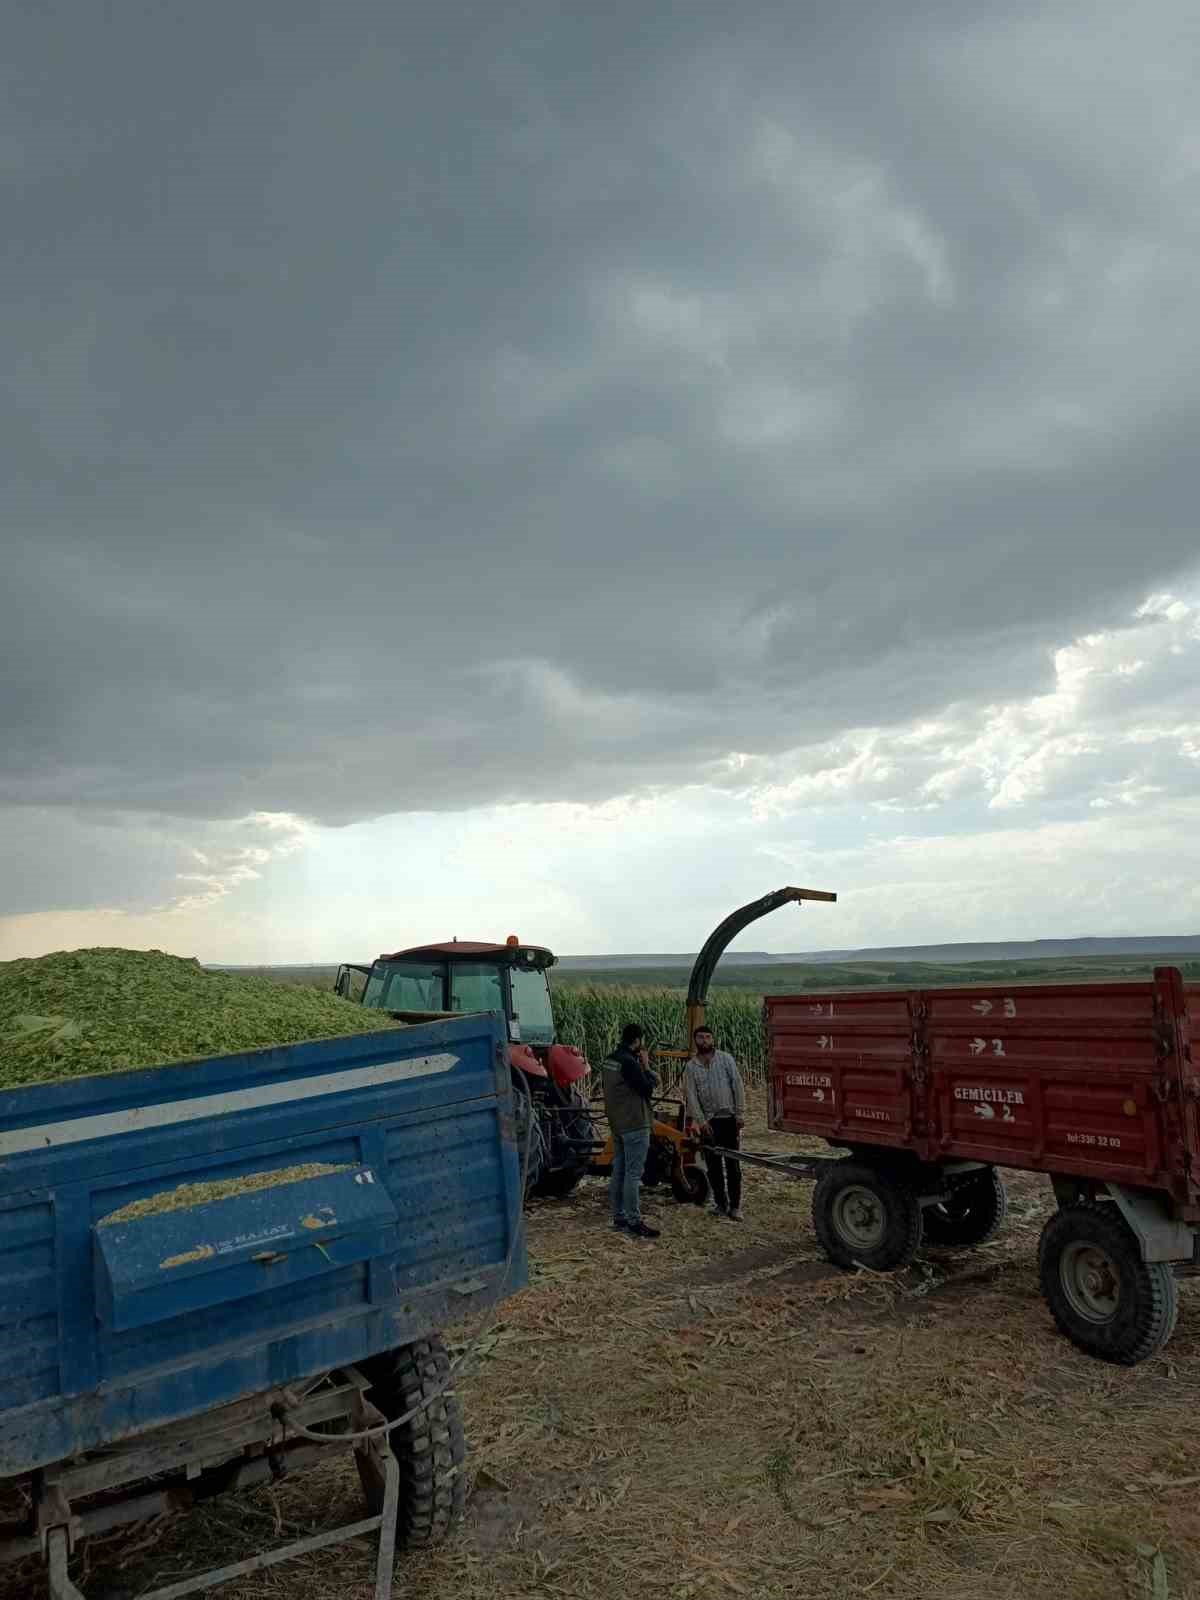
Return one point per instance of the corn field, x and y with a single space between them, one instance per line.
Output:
590 1016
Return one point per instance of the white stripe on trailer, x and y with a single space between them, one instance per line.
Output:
50 1134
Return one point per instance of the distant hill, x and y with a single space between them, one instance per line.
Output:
915 967
1003 950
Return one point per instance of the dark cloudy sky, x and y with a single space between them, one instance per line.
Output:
578 467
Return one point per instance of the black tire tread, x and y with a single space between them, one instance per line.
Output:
558 1184
693 1188
983 1221
902 1235
1154 1305
430 1447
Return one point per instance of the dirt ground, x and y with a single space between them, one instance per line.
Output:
724 1414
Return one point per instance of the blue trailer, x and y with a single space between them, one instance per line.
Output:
216 1272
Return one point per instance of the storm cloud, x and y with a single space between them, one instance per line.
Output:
420 408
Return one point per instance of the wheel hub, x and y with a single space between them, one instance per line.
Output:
1090 1281
858 1216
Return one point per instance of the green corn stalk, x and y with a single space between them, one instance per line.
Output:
590 1016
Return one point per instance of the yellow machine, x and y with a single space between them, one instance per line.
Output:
673 1151
671 1158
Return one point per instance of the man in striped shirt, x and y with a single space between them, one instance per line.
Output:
716 1105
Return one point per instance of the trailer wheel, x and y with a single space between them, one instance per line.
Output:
971 1215
431 1446
690 1185
1103 1296
866 1217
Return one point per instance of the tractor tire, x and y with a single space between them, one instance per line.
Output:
660 1163
691 1186
563 1164
866 1217
557 1185
1103 1296
973 1213
431 1446
531 1144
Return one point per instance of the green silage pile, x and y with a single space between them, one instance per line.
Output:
105 1010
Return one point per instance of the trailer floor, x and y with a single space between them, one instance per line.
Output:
724 1414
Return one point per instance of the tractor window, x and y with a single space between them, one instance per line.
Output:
531 1003
475 988
415 986
373 993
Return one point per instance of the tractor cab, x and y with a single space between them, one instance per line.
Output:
437 980
432 981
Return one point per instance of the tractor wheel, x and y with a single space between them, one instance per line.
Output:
531 1144
865 1217
660 1163
558 1184
689 1185
431 1446
1103 1296
972 1213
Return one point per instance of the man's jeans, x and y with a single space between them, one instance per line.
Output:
629 1161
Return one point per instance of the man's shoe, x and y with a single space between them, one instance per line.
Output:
735 1214
718 1210
642 1230
620 1225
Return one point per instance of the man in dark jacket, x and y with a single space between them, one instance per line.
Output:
629 1087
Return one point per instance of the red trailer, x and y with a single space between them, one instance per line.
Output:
931 1091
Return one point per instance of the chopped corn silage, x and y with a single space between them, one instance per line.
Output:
186 1195
78 1012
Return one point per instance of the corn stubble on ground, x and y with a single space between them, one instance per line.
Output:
724 1414
103 1010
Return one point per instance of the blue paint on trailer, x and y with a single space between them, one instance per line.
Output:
110 1328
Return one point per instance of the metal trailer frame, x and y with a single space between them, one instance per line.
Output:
158 1398
1162 1237
235 1447
809 1166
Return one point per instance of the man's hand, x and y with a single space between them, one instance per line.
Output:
741 1122
705 1130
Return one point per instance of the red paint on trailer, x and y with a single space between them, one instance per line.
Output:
1094 1080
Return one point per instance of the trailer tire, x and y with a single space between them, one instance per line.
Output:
865 1216
1102 1294
973 1213
690 1186
431 1447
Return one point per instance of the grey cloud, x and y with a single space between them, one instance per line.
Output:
411 409
1119 728
68 858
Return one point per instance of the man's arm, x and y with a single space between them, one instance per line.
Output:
739 1091
639 1078
691 1099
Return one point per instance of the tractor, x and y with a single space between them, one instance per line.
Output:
437 980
